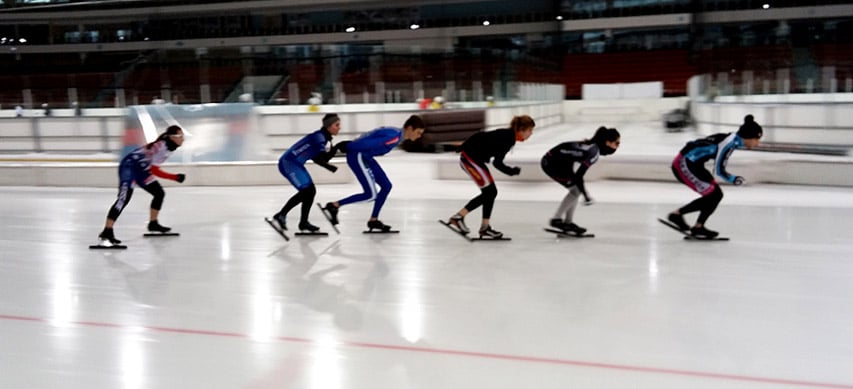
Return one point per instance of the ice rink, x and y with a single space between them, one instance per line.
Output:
230 304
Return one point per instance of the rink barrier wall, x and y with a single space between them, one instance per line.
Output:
105 174
804 121
794 171
831 171
102 130
816 120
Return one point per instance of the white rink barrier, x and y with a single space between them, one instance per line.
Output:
831 171
105 174
828 171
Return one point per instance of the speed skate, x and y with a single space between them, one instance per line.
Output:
566 234
106 245
687 235
276 228
468 238
155 234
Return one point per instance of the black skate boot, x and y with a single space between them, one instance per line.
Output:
108 237
678 220
573 228
154 226
487 232
281 219
557 223
333 213
703 233
307 226
459 222
378 225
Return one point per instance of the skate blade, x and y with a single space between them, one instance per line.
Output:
150 234
484 239
328 218
318 233
380 232
107 246
687 235
563 234
275 227
464 235
696 238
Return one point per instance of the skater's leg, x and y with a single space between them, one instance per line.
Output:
489 194
385 186
359 164
125 192
709 206
298 176
156 190
307 198
568 205
293 201
695 177
481 176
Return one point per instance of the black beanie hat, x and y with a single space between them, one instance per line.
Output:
750 129
330 119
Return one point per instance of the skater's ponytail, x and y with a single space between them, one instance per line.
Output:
750 129
604 135
167 136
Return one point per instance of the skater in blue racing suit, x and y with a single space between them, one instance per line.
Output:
361 159
291 165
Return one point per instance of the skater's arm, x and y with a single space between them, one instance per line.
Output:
378 142
499 164
725 150
323 159
155 170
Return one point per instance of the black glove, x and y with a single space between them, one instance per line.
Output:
514 171
324 157
738 180
341 146
181 177
331 168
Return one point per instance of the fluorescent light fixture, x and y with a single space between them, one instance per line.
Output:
350 29
486 23
414 26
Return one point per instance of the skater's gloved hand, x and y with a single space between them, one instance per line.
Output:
514 171
331 168
739 180
181 177
341 146
588 201
324 157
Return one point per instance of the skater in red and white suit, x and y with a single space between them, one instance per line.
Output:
140 168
